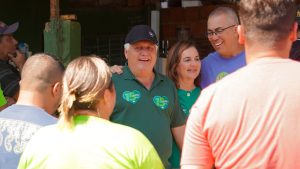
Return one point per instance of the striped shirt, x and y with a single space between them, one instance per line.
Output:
9 79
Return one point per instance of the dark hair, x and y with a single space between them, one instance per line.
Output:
41 71
267 21
229 12
173 59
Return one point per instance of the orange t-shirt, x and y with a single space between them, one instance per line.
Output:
248 120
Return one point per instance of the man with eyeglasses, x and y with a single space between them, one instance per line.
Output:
229 55
147 100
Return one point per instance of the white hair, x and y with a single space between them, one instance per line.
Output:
127 45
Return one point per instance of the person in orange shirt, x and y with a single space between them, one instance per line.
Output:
250 119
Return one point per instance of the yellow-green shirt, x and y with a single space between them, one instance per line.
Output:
2 98
93 143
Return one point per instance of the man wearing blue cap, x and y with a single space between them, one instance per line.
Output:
9 75
147 100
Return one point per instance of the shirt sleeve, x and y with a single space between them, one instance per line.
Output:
146 154
204 78
196 147
178 116
152 161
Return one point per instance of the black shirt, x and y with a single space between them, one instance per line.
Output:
295 51
9 79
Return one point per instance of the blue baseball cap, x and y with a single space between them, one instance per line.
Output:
8 29
139 33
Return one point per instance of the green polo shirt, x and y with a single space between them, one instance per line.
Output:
186 100
2 98
153 112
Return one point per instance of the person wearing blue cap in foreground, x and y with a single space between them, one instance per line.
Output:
10 75
147 100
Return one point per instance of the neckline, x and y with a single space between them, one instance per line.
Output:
189 91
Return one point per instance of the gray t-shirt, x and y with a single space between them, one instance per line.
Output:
18 123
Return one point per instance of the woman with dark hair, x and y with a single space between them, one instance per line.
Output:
183 67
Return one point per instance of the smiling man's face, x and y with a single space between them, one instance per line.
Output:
141 56
222 42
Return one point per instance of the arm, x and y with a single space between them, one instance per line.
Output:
178 134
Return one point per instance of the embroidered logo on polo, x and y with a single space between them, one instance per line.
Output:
221 75
161 101
132 96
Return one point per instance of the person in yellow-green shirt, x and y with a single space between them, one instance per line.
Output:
2 100
84 138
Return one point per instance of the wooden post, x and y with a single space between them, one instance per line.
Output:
54 9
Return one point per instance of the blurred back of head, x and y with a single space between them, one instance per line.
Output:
267 21
39 72
232 17
85 80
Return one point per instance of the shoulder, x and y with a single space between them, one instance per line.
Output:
241 56
210 56
126 74
3 64
123 130
116 76
29 114
42 134
129 135
6 66
39 115
165 79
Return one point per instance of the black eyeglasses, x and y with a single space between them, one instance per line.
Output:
217 31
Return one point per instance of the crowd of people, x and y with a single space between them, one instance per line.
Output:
132 116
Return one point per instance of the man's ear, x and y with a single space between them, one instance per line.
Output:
126 53
57 89
293 35
241 33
